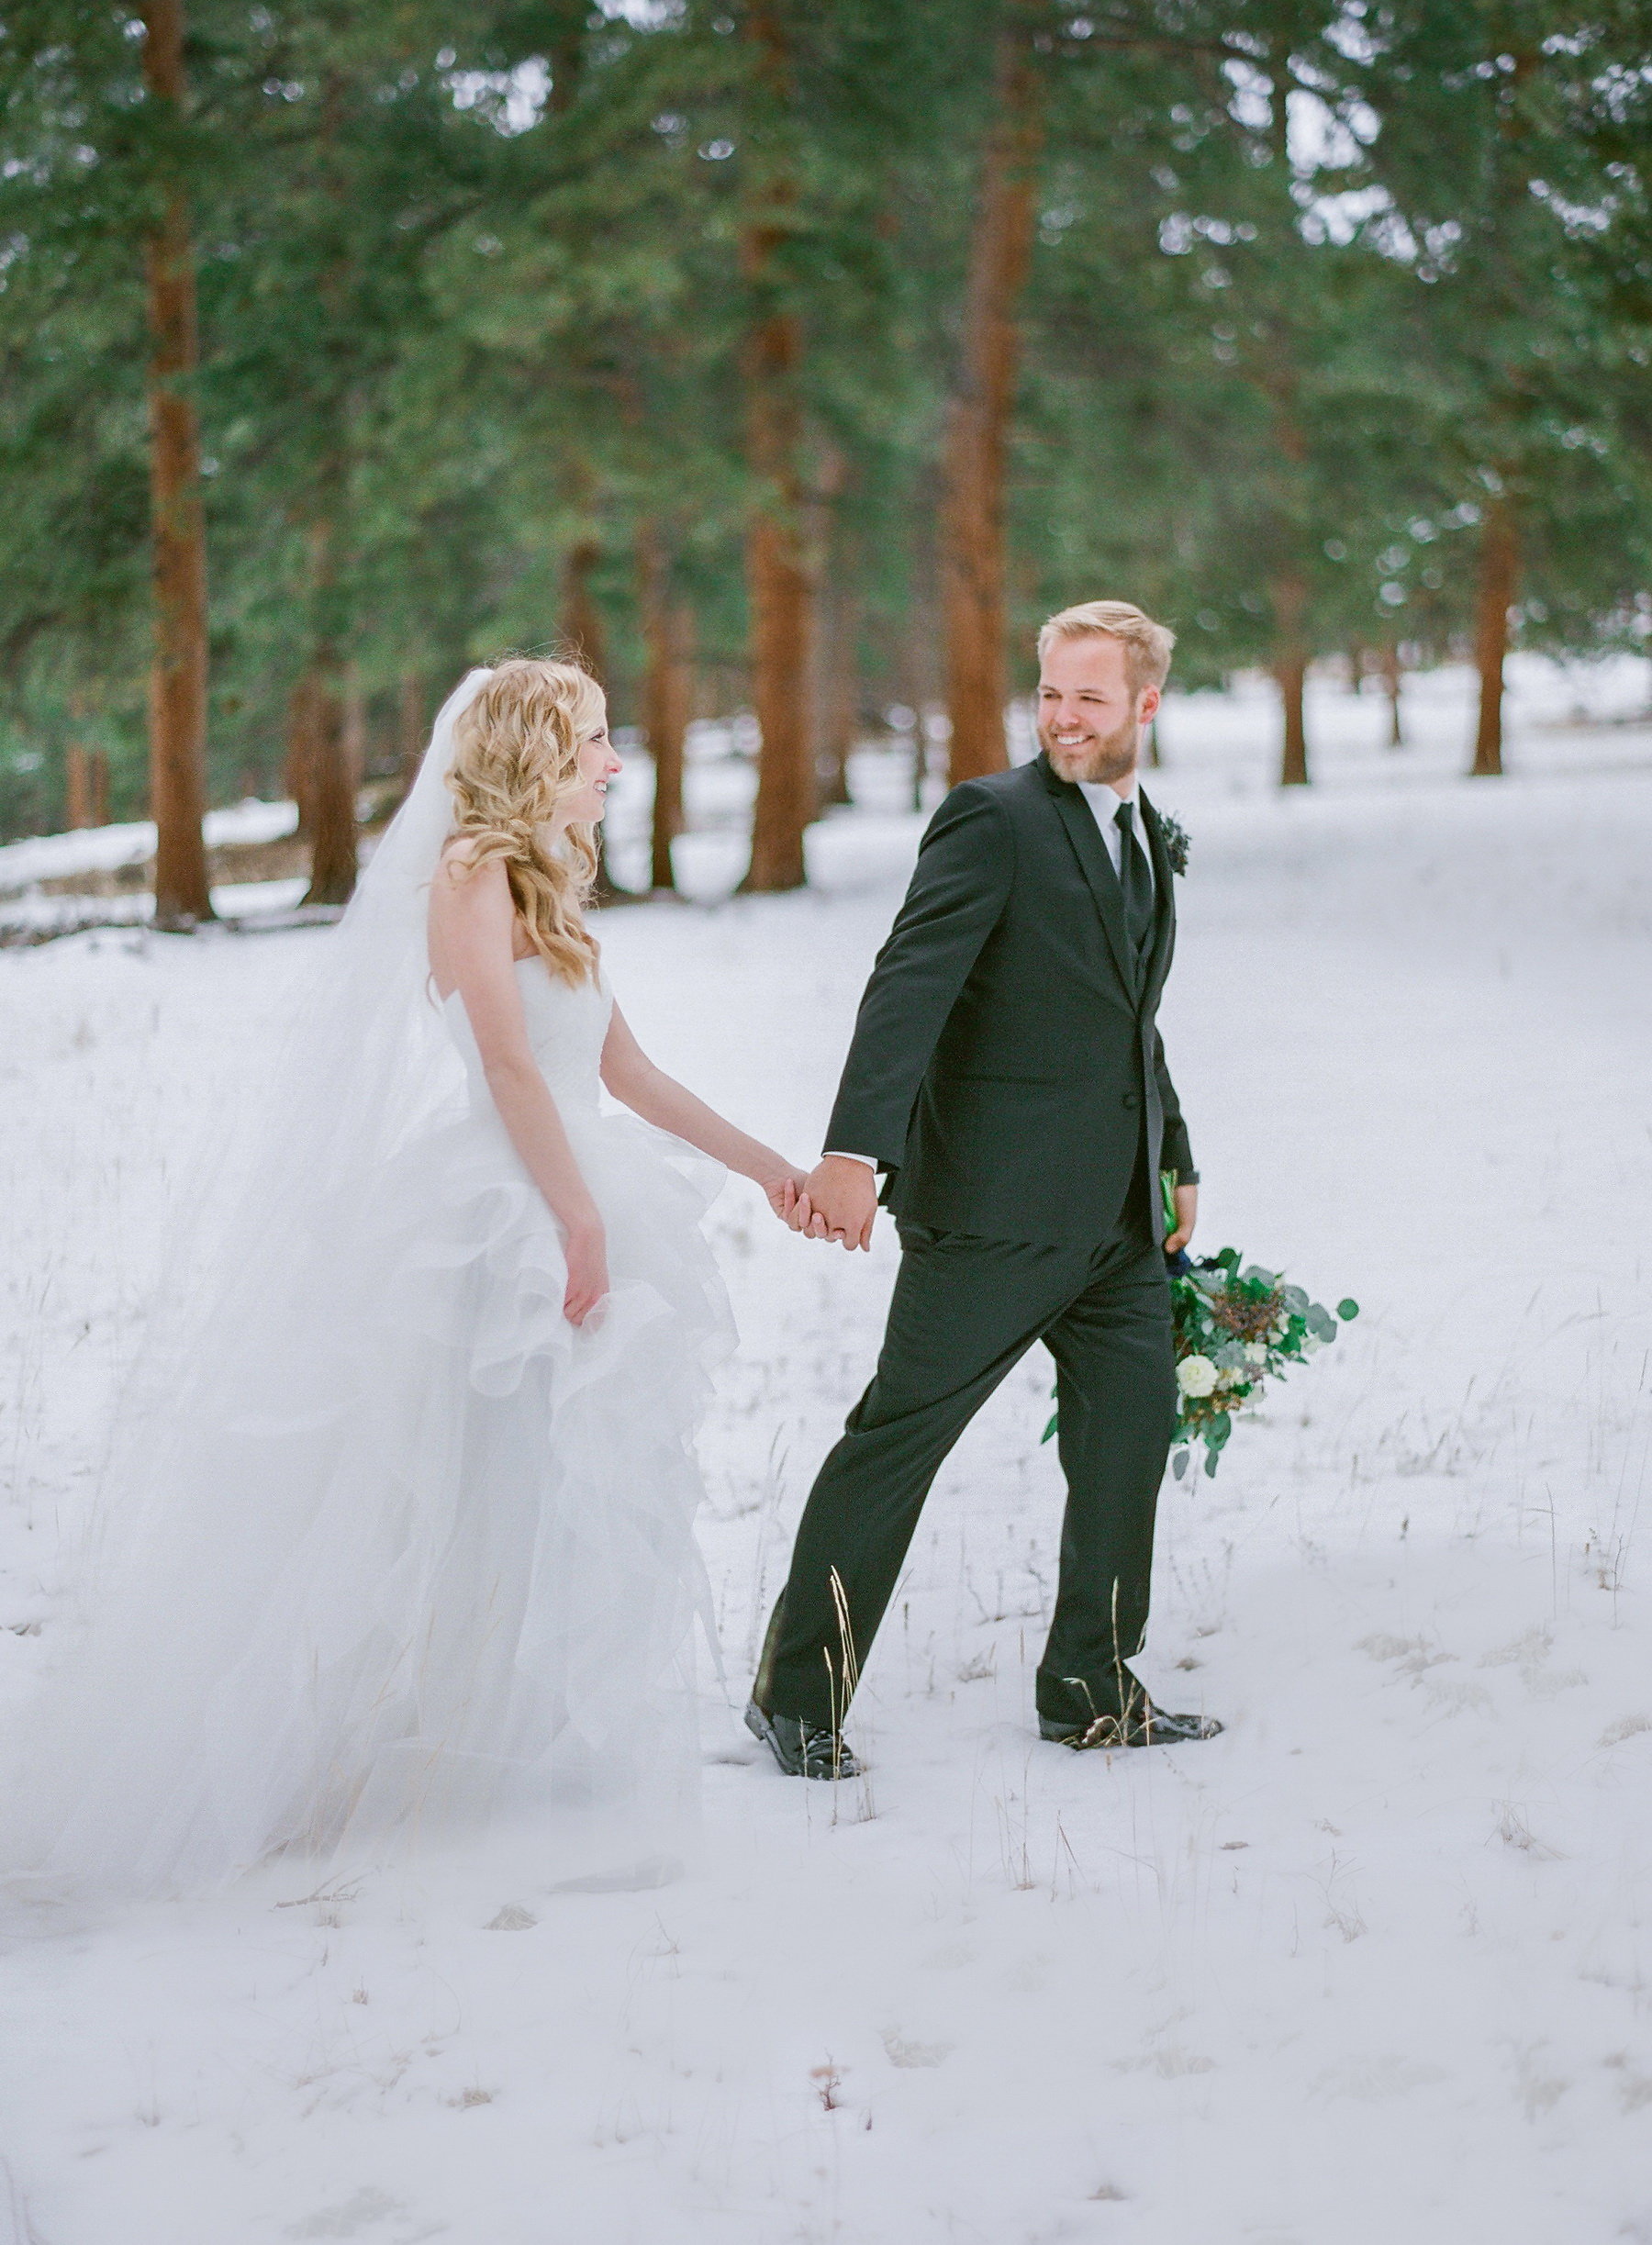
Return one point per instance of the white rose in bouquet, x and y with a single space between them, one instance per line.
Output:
1241 1327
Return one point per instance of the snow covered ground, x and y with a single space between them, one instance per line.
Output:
1375 1964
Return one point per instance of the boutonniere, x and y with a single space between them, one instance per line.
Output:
1176 842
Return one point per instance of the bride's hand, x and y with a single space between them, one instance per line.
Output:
588 1270
781 1192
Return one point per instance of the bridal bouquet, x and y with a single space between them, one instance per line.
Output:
1237 1326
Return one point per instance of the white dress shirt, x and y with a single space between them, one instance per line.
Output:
1103 799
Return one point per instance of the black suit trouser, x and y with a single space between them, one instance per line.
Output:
965 1311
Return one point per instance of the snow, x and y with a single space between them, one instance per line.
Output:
1372 1964
105 849
102 849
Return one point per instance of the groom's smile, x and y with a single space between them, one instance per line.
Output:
1090 715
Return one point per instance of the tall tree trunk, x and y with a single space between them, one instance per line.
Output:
295 759
1387 662
667 629
1498 575
836 685
585 642
177 714
777 568
563 25
978 432
319 757
321 767
77 785
412 726
837 698
1290 670
777 586
582 626
353 735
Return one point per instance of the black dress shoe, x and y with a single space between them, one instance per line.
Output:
801 1749
1145 1724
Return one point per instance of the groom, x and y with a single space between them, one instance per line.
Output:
1007 1075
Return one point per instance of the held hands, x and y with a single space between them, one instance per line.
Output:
838 1201
782 1189
1186 1198
587 1269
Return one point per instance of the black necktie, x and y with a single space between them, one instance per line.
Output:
1134 881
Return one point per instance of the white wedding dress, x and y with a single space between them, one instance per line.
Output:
411 1562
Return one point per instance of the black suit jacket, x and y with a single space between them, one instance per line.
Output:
1006 1047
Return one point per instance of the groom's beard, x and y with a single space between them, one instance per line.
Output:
1105 756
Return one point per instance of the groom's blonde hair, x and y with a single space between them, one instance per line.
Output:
1146 645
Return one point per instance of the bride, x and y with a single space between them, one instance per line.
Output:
397 1547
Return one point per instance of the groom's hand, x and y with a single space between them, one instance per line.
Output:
1186 1198
839 1200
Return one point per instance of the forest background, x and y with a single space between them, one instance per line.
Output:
793 357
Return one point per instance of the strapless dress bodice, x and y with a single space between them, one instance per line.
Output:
567 1026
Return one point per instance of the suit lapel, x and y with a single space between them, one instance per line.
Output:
1084 834
1164 901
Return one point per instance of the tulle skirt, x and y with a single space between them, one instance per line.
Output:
408 1560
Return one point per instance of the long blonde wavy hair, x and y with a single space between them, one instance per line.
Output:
515 757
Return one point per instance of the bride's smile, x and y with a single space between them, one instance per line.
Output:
596 765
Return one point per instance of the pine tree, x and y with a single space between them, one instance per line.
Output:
979 419
178 689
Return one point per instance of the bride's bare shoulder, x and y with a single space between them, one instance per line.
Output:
465 894
457 870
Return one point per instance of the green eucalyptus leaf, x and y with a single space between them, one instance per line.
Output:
1295 1299
1055 1422
1212 1457
1179 1464
1346 1309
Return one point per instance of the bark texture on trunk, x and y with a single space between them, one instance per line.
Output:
77 785
585 643
667 630
354 735
320 766
319 757
777 586
836 685
295 759
972 604
777 563
177 716
1499 577
1290 670
412 726
837 697
582 627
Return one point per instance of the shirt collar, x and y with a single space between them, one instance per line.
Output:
1104 799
